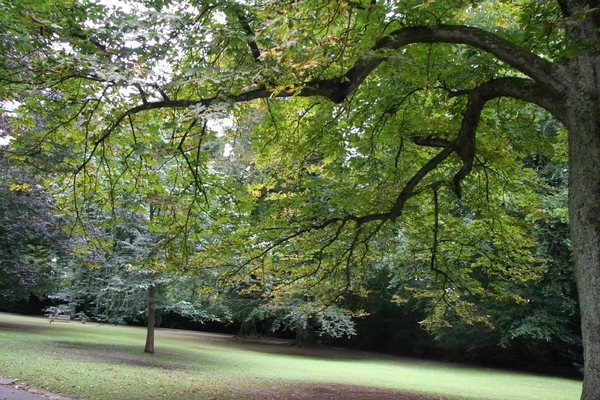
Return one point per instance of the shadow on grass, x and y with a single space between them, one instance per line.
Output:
27 328
322 352
131 355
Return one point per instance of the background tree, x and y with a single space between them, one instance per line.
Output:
34 251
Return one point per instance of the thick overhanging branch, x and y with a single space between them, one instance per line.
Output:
465 143
537 68
525 90
337 89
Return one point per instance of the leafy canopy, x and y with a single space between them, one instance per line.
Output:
364 151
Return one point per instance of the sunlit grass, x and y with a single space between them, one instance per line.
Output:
101 362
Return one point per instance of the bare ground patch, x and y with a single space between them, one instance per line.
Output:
335 392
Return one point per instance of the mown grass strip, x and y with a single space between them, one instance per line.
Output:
101 361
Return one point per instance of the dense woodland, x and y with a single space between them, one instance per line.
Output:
417 177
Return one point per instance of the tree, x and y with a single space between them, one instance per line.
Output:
419 91
34 251
306 317
130 265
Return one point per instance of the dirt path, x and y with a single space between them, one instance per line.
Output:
11 389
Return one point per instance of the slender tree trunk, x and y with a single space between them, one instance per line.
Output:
151 310
584 211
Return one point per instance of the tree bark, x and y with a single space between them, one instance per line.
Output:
248 329
305 334
151 310
584 210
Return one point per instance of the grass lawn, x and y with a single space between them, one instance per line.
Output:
94 361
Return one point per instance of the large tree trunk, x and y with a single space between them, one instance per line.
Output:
151 310
584 211
305 334
248 329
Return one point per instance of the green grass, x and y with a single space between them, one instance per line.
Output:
100 362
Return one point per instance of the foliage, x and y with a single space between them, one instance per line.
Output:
314 220
541 328
123 257
545 326
34 251
331 321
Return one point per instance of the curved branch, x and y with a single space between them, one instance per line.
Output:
174 104
409 189
525 90
518 88
537 68
465 143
